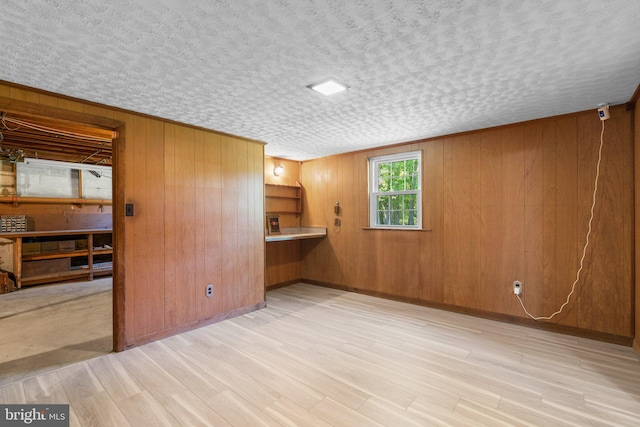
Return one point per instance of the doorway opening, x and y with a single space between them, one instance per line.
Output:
68 302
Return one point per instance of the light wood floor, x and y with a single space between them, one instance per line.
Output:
50 326
319 357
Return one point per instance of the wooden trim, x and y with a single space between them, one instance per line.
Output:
11 105
636 346
108 123
47 278
396 229
56 255
283 284
283 185
552 327
45 233
631 104
118 220
193 325
54 200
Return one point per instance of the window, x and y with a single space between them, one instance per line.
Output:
395 199
62 180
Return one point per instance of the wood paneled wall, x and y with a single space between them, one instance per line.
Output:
283 258
502 204
636 132
199 206
199 219
282 263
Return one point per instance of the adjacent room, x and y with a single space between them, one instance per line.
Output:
56 228
392 212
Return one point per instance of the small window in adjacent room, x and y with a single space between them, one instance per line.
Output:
395 199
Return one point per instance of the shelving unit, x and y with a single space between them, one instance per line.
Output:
62 265
53 200
283 199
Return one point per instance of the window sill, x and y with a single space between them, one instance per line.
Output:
396 229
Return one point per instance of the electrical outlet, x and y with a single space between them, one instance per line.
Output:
603 112
209 290
517 288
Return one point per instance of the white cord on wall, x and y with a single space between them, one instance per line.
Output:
586 243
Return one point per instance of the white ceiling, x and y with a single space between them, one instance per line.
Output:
416 68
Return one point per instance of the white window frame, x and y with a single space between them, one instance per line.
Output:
374 165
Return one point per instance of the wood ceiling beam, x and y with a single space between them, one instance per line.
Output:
52 146
39 111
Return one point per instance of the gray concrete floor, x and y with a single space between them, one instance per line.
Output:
50 326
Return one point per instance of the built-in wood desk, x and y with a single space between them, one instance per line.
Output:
297 233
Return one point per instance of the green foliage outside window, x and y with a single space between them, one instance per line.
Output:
395 177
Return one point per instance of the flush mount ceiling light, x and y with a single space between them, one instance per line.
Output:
328 87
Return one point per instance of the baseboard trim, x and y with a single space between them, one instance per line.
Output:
282 284
552 327
137 341
636 346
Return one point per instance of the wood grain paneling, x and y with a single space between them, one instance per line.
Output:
291 175
171 237
588 146
257 220
148 228
199 219
431 276
566 216
183 224
212 196
512 182
636 154
502 204
244 225
534 231
211 212
282 262
229 219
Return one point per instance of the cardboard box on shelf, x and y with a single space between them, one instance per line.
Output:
30 248
47 266
50 247
82 244
67 245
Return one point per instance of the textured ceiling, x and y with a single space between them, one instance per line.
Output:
416 68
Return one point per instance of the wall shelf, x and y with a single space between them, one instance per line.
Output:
283 199
55 256
54 200
57 266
